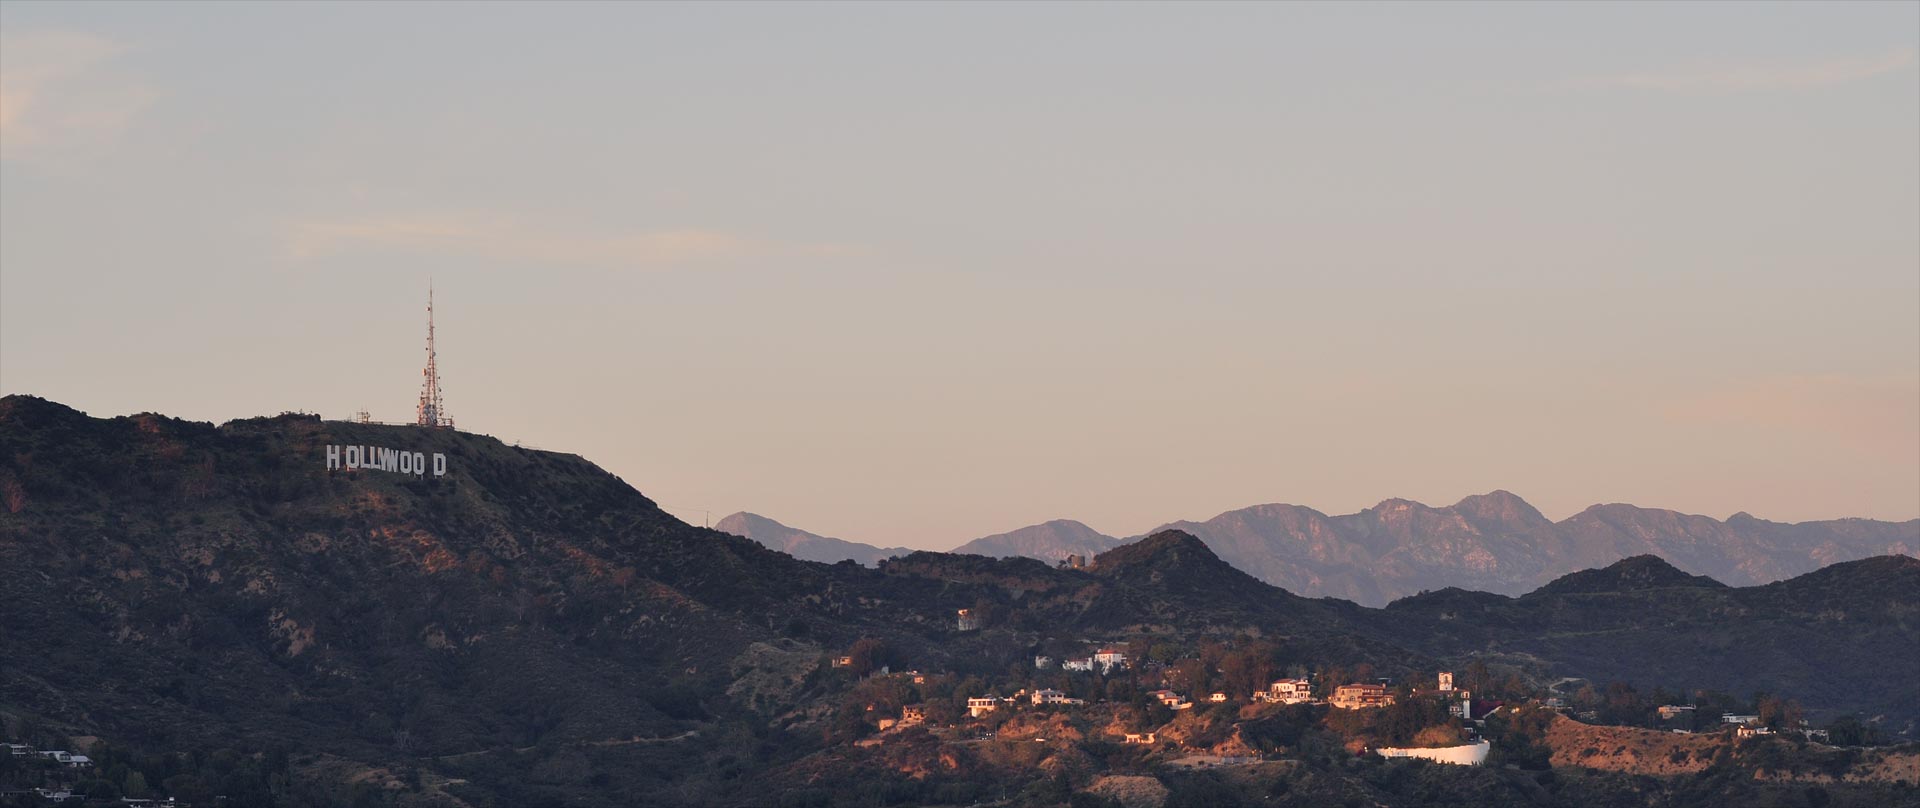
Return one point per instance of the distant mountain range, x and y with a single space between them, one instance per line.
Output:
1048 541
803 545
1493 542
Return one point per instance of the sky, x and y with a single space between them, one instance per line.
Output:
911 274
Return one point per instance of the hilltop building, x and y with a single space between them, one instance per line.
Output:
1361 696
1287 691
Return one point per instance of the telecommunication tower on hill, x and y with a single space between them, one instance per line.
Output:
433 409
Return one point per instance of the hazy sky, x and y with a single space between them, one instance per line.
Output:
910 274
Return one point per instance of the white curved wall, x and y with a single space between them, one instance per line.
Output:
1472 754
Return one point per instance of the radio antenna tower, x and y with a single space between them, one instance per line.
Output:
433 410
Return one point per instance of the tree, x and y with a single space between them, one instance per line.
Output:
136 785
869 654
1779 713
188 788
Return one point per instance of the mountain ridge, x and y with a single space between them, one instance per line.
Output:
1494 542
802 544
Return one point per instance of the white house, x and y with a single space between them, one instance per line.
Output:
1731 718
1287 691
1043 662
1172 699
982 705
1109 658
68 759
1077 664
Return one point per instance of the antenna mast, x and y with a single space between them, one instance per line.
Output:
432 410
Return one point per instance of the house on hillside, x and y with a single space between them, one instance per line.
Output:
68 759
843 662
1171 699
1668 712
1043 663
1287 691
1361 696
1217 698
967 621
1461 705
1083 664
1051 696
1140 737
913 714
981 705
1735 718
1750 730
1446 681
1109 658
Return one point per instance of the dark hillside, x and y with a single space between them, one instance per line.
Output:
529 629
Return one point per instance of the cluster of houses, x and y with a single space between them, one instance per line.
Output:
63 759
61 795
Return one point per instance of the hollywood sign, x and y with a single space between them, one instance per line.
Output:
353 458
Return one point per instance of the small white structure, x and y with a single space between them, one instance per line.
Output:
1043 662
1217 698
1446 681
1731 718
1472 754
982 705
1077 664
1749 730
967 621
1109 658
